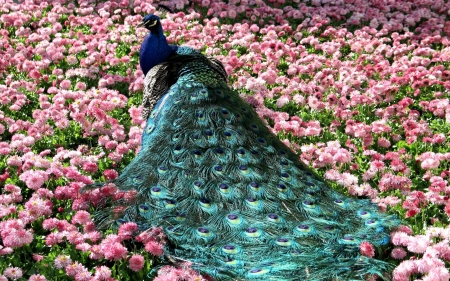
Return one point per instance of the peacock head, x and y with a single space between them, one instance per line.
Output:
152 23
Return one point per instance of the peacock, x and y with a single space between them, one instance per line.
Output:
232 198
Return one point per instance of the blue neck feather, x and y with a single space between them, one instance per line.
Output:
154 49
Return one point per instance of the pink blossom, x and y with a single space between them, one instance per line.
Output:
13 273
367 249
37 277
110 174
74 268
62 261
127 230
102 273
114 251
154 248
398 253
81 217
136 262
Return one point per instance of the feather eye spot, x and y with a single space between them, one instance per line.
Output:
169 204
309 204
273 218
244 169
234 219
241 153
371 223
283 242
303 228
156 191
178 149
348 239
257 272
209 134
197 153
200 116
254 186
282 152
230 249
162 170
205 203
253 232
224 188
143 209
253 202
218 169
198 185
120 221
174 230
329 228
149 128
228 135
136 180
238 117
225 113
262 141
175 137
231 261
219 151
282 188
254 127
254 152
204 232
285 177
180 216
364 214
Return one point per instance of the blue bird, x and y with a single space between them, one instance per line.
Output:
154 49
230 196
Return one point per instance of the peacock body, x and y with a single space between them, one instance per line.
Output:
230 196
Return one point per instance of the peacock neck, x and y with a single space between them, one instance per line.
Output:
154 50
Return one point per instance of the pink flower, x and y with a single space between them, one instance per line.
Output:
81 217
367 249
102 272
37 277
114 251
13 273
34 179
17 238
418 244
74 268
37 257
136 262
127 230
65 84
398 253
154 248
110 174
430 163
62 261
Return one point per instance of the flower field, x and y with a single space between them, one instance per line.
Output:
359 88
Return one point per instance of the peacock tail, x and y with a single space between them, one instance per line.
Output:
231 197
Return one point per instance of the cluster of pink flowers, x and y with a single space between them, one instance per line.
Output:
433 248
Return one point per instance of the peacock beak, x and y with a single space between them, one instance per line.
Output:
148 23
